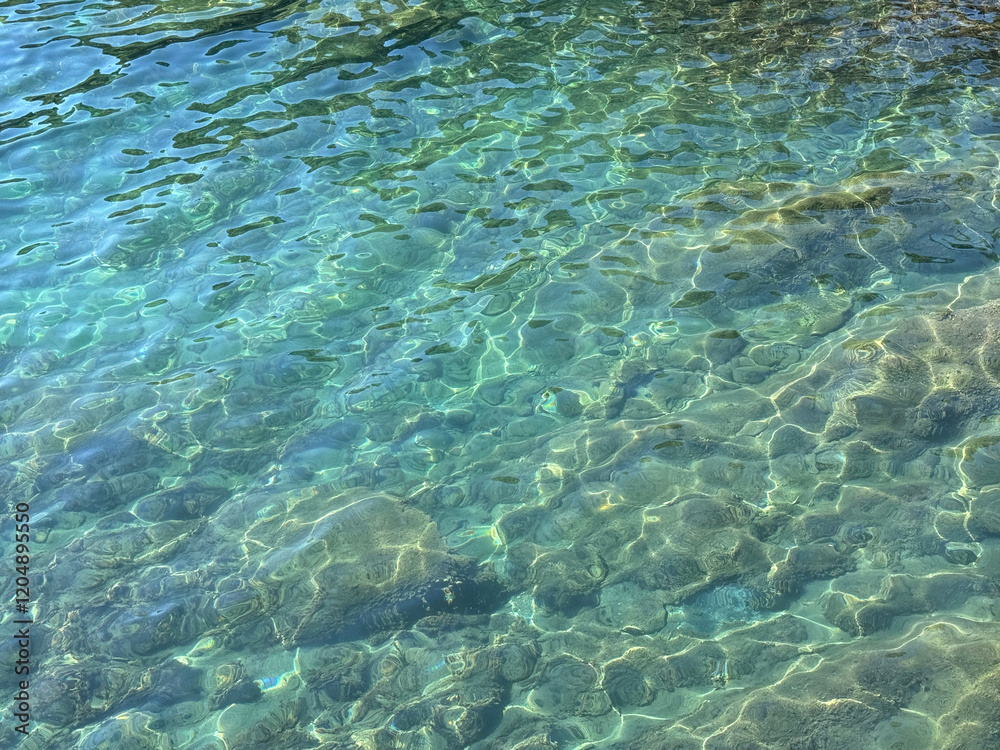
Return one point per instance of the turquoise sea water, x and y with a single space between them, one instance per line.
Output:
509 375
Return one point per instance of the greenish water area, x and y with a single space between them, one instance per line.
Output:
501 375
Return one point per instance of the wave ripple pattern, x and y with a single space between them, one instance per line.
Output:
519 375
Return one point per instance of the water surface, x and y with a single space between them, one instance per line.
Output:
503 375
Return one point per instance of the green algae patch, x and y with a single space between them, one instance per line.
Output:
755 190
754 237
549 185
787 216
867 234
970 448
668 444
693 299
714 207
882 311
918 258
625 261
885 160
845 201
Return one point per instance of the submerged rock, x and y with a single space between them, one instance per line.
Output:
366 564
626 686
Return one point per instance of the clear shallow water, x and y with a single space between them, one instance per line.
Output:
504 376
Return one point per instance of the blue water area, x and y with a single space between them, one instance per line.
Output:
514 375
